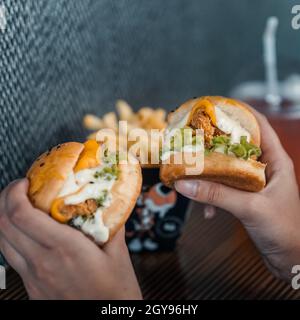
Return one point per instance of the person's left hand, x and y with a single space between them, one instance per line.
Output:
56 261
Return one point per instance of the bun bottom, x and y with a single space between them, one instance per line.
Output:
247 175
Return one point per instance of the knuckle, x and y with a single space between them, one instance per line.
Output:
16 215
12 192
61 252
214 193
14 199
2 220
290 164
40 268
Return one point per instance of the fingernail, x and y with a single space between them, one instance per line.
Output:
187 188
209 212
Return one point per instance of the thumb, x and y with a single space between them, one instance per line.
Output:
232 200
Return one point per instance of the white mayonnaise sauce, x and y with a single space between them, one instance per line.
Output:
93 227
70 186
180 122
89 186
90 191
83 185
229 126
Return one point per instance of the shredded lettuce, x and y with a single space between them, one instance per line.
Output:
178 138
182 136
100 201
243 150
108 173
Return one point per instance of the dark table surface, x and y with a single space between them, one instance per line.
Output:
214 259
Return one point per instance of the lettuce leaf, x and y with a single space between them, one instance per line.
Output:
243 150
182 136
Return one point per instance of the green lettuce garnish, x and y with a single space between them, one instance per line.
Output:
183 136
100 201
243 150
108 173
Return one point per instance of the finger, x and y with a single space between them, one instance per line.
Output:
32 222
27 247
3 196
272 148
209 211
117 243
13 257
216 194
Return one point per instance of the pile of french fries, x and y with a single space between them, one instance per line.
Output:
145 118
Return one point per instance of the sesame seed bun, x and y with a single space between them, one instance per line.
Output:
48 173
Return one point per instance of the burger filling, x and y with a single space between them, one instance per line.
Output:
181 140
84 196
224 135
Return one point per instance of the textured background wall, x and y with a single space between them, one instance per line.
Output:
62 58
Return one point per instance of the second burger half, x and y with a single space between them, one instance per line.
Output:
231 139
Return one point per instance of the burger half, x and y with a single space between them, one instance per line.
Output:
85 186
231 137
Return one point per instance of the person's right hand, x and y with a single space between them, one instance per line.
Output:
272 216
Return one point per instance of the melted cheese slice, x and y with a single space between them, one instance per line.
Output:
88 157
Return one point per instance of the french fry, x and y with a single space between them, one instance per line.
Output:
146 118
130 127
157 120
143 115
124 110
110 121
92 122
160 114
155 123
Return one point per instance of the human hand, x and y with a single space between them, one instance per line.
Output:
56 261
272 216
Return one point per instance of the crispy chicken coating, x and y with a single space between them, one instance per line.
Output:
84 208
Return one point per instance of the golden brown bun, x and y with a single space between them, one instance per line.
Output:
238 173
246 175
48 173
125 192
234 108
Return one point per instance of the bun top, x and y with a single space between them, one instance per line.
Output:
235 109
48 173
